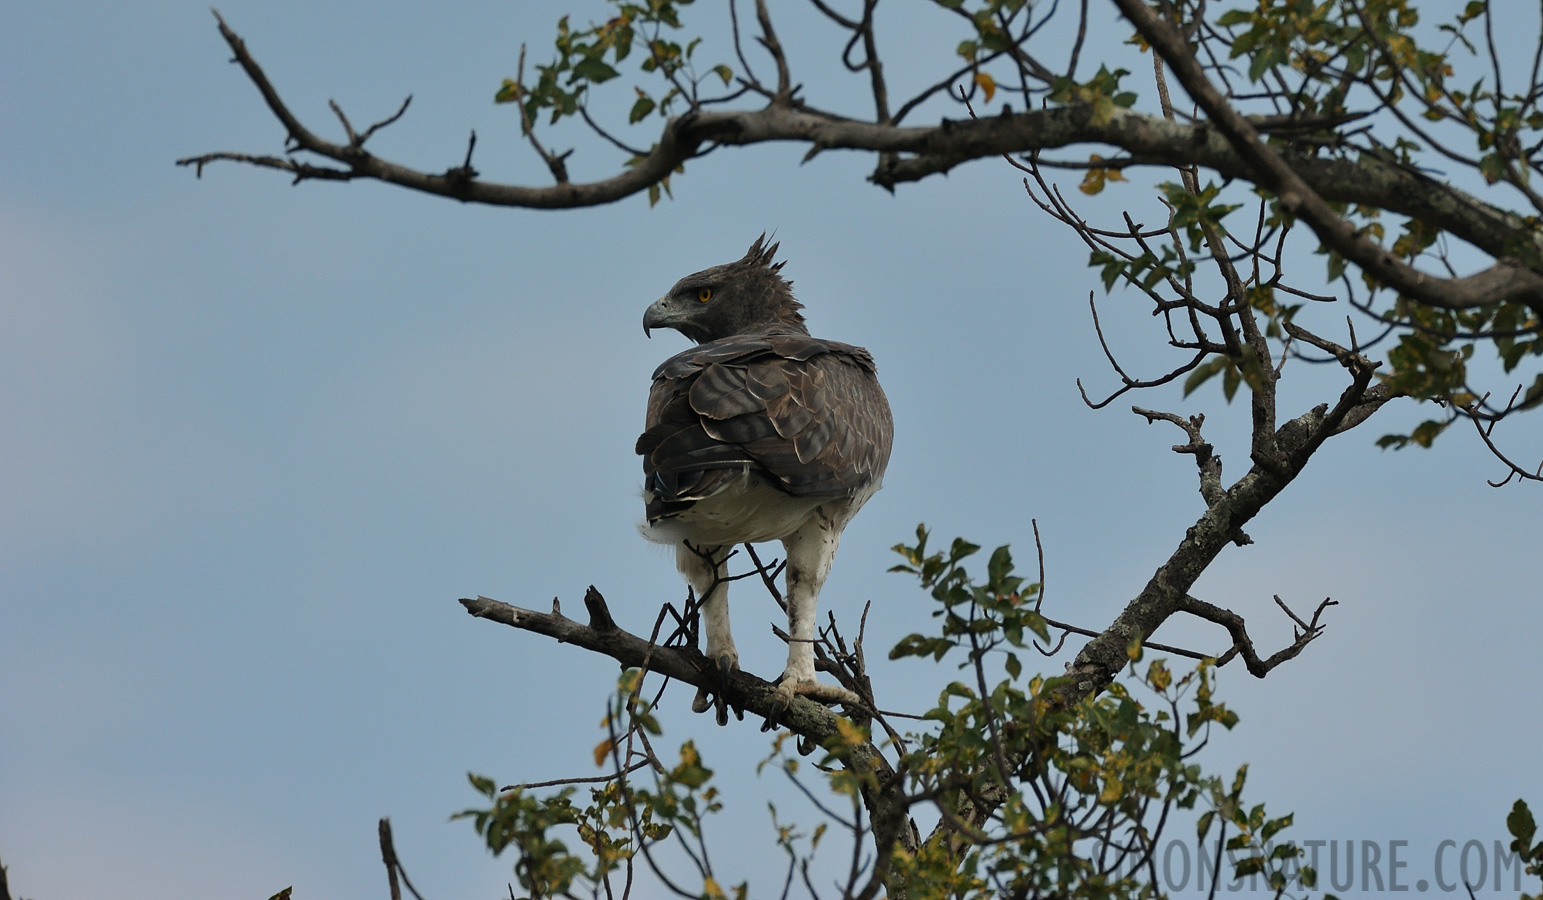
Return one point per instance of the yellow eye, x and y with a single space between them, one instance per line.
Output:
704 295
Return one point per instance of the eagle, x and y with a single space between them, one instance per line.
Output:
760 432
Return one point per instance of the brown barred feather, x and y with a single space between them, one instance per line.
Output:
805 414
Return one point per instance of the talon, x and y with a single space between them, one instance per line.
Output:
779 706
708 698
788 688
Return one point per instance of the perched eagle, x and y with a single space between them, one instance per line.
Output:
758 433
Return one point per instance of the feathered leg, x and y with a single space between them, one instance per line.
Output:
810 551
703 568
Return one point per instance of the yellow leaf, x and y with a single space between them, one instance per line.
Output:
987 84
851 735
1111 792
602 750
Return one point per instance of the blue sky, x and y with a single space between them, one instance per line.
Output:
257 439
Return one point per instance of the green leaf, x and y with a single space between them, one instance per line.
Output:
1275 825
640 109
1266 60
593 69
960 549
1000 565
1103 111
508 92
1204 372
483 785
1230 380
1521 825
1239 779
1492 166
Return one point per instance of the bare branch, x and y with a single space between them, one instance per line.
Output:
594 779
5 887
1516 471
391 119
1088 632
769 40
1243 645
394 865
1206 460
1128 383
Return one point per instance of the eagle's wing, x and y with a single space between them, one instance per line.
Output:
806 414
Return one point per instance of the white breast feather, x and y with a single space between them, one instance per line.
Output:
746 510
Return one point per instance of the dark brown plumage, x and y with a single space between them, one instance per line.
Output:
805 414
760 432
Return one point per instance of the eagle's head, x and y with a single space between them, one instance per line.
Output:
746 296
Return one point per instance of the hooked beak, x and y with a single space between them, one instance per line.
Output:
658 315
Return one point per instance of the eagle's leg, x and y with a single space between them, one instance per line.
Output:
703 568
810 551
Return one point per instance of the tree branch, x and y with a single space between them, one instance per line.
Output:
1167 592
1506 279
394 868
909 154
1243 645
812 722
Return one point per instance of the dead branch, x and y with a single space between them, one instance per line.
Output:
394 868
1243 645
1206 460
1484 424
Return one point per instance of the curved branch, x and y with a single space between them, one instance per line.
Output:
1243 645
909 154
1506 279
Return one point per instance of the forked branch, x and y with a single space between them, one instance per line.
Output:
1243 645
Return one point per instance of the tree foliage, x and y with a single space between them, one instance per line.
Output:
1403 147
1033 796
